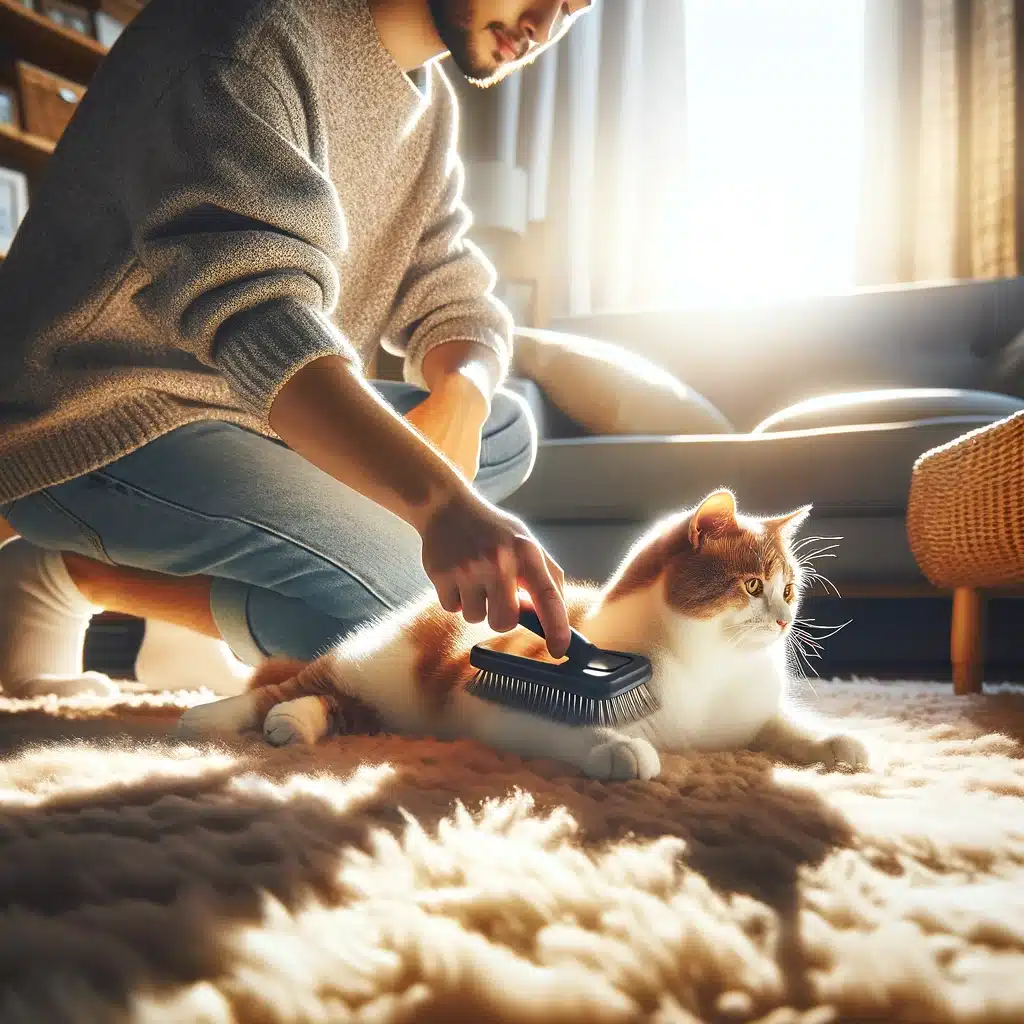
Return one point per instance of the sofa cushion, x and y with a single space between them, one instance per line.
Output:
551 421
891 405
608 390
842 471
754 359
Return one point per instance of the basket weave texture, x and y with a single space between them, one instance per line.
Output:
965 515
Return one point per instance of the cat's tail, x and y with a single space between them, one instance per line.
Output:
275 671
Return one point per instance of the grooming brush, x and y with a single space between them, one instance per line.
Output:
590 687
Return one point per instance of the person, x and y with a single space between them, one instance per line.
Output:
252 197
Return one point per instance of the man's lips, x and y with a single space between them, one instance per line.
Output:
507 49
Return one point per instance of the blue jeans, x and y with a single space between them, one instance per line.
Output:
297 559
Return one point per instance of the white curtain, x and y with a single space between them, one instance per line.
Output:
591 139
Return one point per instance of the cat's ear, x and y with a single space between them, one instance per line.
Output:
787 526
715 517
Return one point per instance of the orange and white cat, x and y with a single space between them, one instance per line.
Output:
708 595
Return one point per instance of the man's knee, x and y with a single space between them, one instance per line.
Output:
509 446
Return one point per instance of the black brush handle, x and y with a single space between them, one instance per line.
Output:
580 649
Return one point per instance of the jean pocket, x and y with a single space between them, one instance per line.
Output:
43 520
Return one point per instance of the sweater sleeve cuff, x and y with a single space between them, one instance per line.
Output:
467 329
260 348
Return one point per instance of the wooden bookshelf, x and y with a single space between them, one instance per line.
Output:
30 36
22 150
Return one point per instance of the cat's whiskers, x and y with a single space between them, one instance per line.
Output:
736 631
797 643
805 561
825 552
804 542
812 624
806 640
807 645
730 626
816 577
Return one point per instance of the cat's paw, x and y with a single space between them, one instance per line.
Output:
303 720
623 759
842 749
230 715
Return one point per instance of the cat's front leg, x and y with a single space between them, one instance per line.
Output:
600 753
801 744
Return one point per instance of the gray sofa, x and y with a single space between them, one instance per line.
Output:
940 357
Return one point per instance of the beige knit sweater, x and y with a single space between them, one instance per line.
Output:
248 185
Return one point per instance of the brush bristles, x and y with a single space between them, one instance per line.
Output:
560 705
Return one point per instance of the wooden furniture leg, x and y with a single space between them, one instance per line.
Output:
967 640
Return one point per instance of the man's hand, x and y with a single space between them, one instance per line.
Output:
478 557
451 418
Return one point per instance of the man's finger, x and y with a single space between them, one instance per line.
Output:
474 601
502 596
557 574
547 601
448 596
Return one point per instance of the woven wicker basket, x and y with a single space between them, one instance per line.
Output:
965 515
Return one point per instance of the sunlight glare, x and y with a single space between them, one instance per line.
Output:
774 108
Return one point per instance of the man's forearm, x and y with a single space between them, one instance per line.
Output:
462 377
328 414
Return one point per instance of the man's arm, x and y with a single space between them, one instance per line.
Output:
326 412
474 554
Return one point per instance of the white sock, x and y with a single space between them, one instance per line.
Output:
43 619
174 658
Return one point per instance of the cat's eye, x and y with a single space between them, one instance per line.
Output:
789 592
754 586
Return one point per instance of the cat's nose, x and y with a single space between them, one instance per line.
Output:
781 622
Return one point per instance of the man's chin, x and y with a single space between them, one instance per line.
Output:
486 83
478 71
484 78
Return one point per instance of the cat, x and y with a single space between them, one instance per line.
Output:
709 595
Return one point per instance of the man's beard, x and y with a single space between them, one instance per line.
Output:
453 20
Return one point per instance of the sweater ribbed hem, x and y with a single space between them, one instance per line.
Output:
77 447
258 350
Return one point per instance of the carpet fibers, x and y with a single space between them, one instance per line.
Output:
381 879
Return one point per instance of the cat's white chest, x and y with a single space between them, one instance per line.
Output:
713 705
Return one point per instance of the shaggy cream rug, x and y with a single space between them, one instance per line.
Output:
380 879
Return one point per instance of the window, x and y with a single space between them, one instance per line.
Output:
774 101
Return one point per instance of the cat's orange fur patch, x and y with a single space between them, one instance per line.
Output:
442 655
